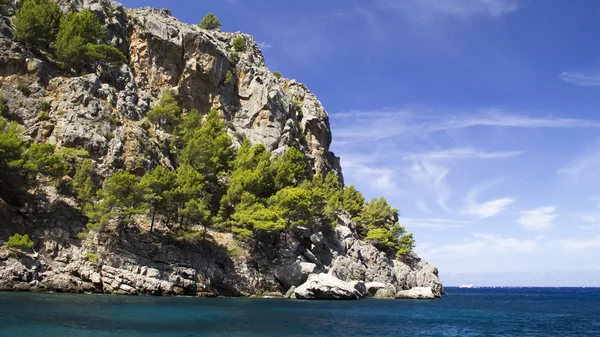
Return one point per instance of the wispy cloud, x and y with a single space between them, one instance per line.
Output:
381 178
581 79
586 165
431 223
381 124
264 45
571 244
486 209
453 8
538 218
483 244
463 153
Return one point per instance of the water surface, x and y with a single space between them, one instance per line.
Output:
461 312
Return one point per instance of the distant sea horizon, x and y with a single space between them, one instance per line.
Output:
485 311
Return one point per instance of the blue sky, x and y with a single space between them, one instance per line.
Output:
476 118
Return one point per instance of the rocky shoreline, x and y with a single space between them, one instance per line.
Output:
333 265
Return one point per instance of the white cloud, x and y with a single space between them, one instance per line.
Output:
571 244
361 168
420 122
581 79
462 153
486 209
264 45
484 244
454 8
538 218
432 223
587 165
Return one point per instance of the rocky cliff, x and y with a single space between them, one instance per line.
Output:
103 113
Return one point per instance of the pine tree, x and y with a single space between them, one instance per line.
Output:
37 22
77 42
290 169
159 181
352 201
166 113
210 22
83 185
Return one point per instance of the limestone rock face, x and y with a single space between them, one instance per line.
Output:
165 55
326 287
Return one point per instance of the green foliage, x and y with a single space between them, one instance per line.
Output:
159 182
43 117
329 189
83 185
294 205
352 201
297 106
239 44
41 159
19 241
290 169
92 257
4 8
1 103
380 223
103 54
166 113
77 42
209 151
37 22
235 251
277 74
121 197
228 77
45 106
252 174
210 22
235 57
12 150
196 212
23 87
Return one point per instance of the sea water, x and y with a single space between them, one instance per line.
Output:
461 312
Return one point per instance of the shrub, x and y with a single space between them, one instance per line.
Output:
210 22
228 77
277 74
235 57
45 106
37 22
235 251
83 235
19 241
23 87
1 103
239 44
43 117
91 256
297 106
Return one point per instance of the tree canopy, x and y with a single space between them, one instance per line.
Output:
37 22
210 22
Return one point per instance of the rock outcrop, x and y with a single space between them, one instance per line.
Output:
104 114
326 287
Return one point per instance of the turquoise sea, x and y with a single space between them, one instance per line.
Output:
461 312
